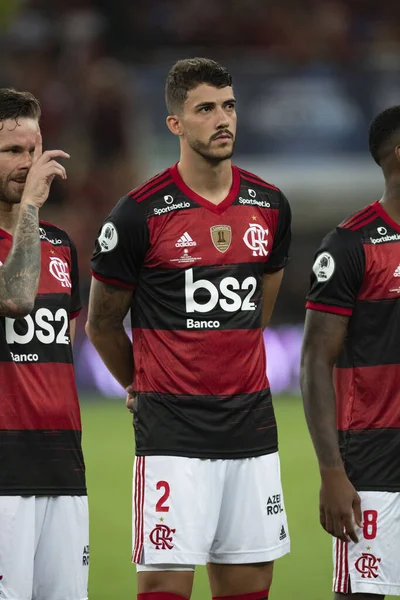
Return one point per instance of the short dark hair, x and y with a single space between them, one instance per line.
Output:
187 74
15 104
381 132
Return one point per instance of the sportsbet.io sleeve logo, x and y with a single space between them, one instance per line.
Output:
324 267
108 238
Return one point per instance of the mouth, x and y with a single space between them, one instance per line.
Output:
19 181
223 137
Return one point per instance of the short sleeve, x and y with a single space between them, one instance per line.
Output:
337 273
279 256
121 245
75 302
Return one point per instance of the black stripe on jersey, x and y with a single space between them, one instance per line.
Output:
371 458
48 463
364 223
264 199
40 337
233 422
257 179
362 347
360 216
157 186
146 184
53 235
200 298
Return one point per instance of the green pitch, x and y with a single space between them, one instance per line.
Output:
108 446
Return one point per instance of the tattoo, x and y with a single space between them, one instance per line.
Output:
108 306
19 276
323 339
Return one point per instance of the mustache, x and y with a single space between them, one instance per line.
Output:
222 132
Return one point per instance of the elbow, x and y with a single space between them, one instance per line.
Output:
18 310
89 330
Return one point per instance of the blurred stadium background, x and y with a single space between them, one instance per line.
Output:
309 76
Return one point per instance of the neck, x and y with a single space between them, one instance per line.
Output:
8 216
204 177
391 199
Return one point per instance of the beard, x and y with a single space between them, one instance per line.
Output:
9 195
212 155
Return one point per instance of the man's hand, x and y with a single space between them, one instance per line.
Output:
42 172
130 398
339 501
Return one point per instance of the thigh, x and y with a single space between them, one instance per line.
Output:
252 526
373 565
62 556
176 503
230 580
17 547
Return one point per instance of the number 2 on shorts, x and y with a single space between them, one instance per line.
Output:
160 506
370 518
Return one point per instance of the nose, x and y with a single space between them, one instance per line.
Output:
25 161
222 119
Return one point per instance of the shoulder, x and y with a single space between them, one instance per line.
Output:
54 234
360 220
258 192
152 188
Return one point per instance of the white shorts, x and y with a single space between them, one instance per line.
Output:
192 511
44 548
373 565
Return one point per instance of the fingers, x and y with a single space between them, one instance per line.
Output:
54 168
357 511
50 154
349 527
37 153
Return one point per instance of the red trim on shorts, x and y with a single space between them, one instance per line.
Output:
341 585
139 509
336 310
252 596
160 596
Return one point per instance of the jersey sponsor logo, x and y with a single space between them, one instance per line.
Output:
254 202
41 325
185 241
324 267
192 324
256 238
162 537
59 269
168 199
382 230
230 301
23 358
274 505
45 236
395 237
221 236
167 209
252 193
368 565
108 238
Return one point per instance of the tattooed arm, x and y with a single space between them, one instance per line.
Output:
108 306
323 340
19 276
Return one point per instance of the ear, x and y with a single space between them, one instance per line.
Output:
174 125
397 152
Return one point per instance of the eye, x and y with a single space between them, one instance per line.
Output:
230 106
205 109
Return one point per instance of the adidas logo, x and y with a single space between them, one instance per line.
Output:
185 241
282 534
397 272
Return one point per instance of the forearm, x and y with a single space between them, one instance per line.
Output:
320 410
19 276
115 350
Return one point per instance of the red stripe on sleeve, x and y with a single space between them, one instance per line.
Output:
335 310
116 282
73 315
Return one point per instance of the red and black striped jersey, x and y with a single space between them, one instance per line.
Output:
357 274
40 426
197 269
